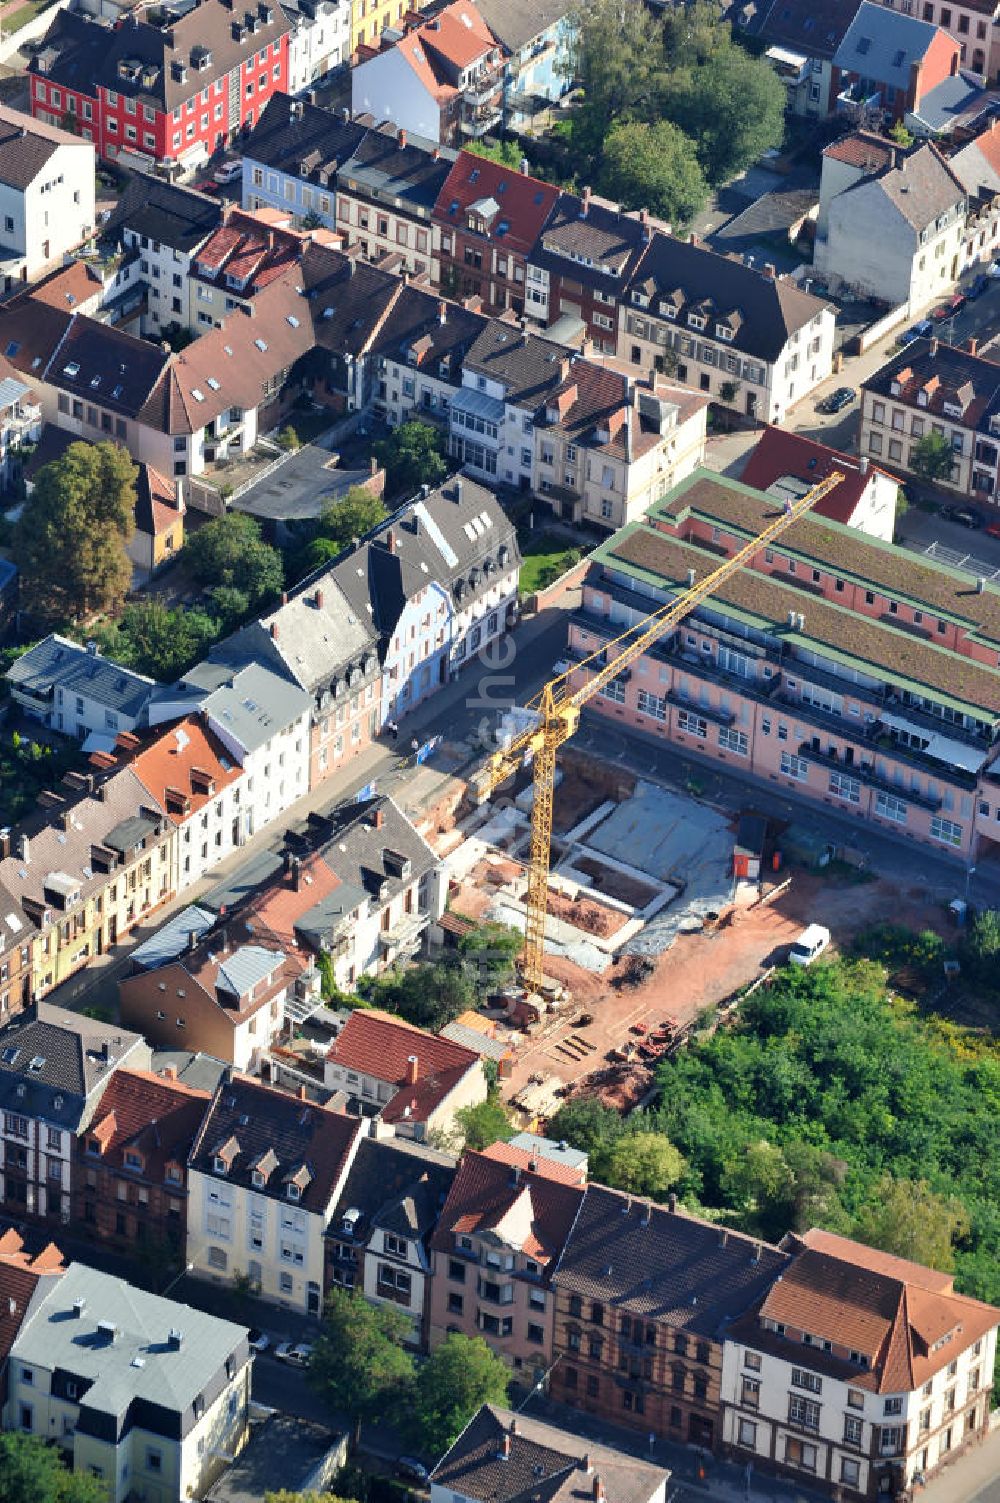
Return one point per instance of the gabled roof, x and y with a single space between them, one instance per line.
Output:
662 1264
506 1457
883 45
590 240
376 1044
517 22
368 846
168 212
158 65
529 1211
24 1282
392 165
156 505
920 185
61 1059
294 134
780 454
538 1163
149 1115
423 329
27 146
394 1182
862 148
977 164
942 373
104 365
769 309
815 31
524 203
185 768
321 637
58 662
281 905
251 1118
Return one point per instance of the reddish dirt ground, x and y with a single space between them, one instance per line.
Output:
584 913
701 970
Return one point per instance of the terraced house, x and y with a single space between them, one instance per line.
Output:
834 665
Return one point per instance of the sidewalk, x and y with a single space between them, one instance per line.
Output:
969 1479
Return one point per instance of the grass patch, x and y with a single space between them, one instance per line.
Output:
543 558
25 14
309 425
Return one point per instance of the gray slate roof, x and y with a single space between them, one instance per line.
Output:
285 140
54 1064
254 704
883 44
517 22
545 1464
548 1148
386 1172
26 146
58 663
176 216
139 1367
172 938
321 636
356 850
663 1264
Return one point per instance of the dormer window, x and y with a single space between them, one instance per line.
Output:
922 399
219 1165
258 1180
293 1191
895 388
172 1174
723 331
94 1146
696 321
133 1160
640 299
668 310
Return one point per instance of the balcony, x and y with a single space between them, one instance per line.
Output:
791 67
494 1293
854 102
480 120
405 932
865 773
486 89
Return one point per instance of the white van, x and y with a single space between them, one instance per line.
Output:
810 945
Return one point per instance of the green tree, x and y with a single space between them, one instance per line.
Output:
286 1495
616 53
230 551
654 167
981 948
692 34
485 1123
350 517
645 1163
429 996
159 640
907 1218
588 1125
933 457
458 1377
507 153
71 540
31 1471
732 107
901 135
412 455
288 439
489 953
360 1366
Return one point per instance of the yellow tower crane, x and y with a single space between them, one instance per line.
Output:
557 715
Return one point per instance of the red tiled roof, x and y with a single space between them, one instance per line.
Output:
525 202
489 1195
458 34
278 906
862 149
377 1044
779 453
19 1276
171 767
158 1117
156 507
566 1174
877 1261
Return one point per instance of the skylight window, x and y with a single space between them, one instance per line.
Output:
291 319
213 384
73 369
95 381
261 345
198 395
12 349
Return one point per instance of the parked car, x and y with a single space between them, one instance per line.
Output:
977 287
940 313
412 1469
993 528
965 516
956 302
837 400
299 1355
916 331
228 172
810 945
259 1340
994 270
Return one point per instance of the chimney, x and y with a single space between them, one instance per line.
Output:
972 344
506 1446
692 238
672 1203
169 1072
863 465
401 138
723 1236
600 1496
513 1426
319 600
378 819
79 1305
192 938
934 347
24 849
274 631
301 1093
175 1339
390 541
585 203
647 233
412 1069
4 843
442 312
179 497
769 270
297 874
588 1463
284 597
436 154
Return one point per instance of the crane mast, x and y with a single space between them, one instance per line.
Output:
557 714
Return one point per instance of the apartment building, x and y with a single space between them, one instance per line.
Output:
489 219
933 388
141 1392
418 356
386 192
54 1069
265 1173
190 774
833 665
24 1280
442 79
75 690
857 1371
970 23
378 1239
291 157
410 1080
644 1295
496 1246
159 227
788 465
243 256
130 1174
46 195
170 90
799 45
319 43
535 36
890 61
751 339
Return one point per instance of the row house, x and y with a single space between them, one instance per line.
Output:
73 689
489 218
171 91
87 870
386 192
157 228
857 1371
240 258
643 1296
46 194
788 465
410 1081
419 355
54 1069
265 1173
319 42
130 1171
584 257
292 156
378 1240
889 61
443 79
835 667
495 1249
752 340
369 18
145 1395
225 996
933 388
192 776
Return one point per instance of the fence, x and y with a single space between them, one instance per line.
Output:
871 335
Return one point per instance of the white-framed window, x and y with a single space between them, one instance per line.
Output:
891 807
794 767
748 1434
733 740
615 691
947 832
653 705
847 788
850 1471
693 724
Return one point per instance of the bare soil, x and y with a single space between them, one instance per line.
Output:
584 913
615 884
